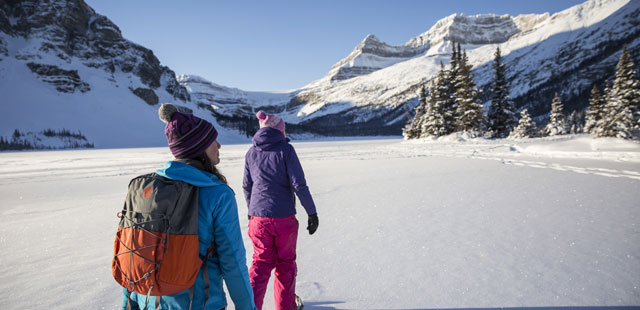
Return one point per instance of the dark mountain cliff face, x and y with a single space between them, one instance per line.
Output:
73 30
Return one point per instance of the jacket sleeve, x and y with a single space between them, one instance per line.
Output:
247 181
231 252
297 181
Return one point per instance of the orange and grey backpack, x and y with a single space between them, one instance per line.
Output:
155 252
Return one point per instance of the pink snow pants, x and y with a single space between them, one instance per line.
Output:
274 246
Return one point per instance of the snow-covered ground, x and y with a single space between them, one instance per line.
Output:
550 222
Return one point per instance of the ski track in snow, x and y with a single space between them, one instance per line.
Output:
510 154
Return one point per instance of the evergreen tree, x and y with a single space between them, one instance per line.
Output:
16 134
501 112
526 127
413 129
626 86
602 126
622 100
435 120
451 105
557 123
454 60
594 111
574 124
470 113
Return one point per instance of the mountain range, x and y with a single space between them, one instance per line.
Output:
64 66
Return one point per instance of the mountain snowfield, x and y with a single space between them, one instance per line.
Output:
545 223
369 92
527 44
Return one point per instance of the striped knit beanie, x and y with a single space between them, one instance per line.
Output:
188 135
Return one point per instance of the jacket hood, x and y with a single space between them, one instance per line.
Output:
267 138
180 171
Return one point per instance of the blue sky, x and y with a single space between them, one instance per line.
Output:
281 45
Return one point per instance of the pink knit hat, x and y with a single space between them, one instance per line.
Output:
270 120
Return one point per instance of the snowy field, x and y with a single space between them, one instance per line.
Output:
545 223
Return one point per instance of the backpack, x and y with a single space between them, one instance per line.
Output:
155 251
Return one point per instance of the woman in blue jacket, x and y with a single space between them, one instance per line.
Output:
193 143
272 175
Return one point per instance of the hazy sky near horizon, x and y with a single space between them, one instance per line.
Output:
283 45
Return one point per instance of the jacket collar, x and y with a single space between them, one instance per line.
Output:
266 138
186 172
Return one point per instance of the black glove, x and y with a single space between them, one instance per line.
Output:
249 217
312 223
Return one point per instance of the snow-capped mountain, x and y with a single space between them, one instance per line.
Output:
374 89
73 32
566 52
63 66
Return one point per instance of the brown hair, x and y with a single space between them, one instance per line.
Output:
210 167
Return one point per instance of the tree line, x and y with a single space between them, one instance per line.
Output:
20 140
451 103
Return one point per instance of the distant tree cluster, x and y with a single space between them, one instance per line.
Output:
63 133
613 113
15 143
19 140
451 104
616 113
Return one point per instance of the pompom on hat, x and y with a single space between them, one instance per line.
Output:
270 120
188 135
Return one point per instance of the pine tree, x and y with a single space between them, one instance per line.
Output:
526 127
626 86
574 124
454 60
557 123
435 119
470 113
501 112
594 111
602 126
622 100
451 105
413 129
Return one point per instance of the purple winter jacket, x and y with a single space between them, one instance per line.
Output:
272 174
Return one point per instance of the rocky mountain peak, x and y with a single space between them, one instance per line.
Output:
475 29
370 55
70 30
369 40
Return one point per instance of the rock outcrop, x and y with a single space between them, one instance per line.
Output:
71 30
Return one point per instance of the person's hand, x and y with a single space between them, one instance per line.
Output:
312 223
249 217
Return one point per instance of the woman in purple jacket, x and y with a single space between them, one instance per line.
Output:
272 174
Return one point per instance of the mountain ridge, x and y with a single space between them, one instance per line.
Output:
70 59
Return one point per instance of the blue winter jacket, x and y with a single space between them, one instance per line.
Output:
217 219
272 174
